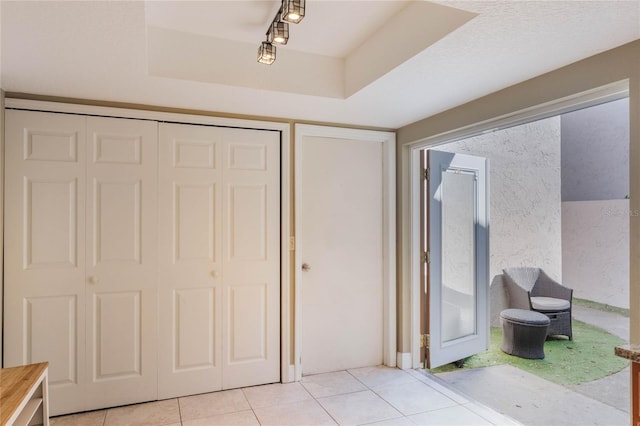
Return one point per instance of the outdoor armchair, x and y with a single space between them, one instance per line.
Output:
531 288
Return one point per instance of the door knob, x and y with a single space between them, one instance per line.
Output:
94 280
306 267
214 274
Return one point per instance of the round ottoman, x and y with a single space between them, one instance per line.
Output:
524 333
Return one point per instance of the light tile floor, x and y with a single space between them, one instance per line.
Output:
371 395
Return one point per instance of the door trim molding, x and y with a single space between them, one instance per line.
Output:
285 129
410 184
388 140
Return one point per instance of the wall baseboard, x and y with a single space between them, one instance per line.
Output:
403 360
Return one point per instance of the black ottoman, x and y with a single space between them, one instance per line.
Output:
524 333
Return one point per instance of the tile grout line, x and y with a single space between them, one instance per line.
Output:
250 406
388 402
427 381
179 410
320 404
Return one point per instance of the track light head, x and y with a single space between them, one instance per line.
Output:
278 32
293 10
266 53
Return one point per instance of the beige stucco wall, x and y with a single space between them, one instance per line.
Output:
605 68
595 152
524 195
595 250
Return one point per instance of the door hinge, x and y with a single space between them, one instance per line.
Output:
426 257
292 243
427 173
425 341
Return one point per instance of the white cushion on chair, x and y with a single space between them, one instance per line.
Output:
549 304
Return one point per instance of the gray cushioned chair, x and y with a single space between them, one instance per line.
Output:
531 288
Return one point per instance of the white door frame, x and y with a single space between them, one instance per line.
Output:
286 363
411 176
388 140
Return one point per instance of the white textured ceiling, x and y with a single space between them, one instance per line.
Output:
329 27
434 55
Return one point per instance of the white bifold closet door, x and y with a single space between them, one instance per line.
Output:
219 258
81 255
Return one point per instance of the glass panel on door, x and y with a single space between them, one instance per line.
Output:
458 255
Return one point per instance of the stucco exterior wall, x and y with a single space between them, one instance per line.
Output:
595 250
595 213
524 188
595 152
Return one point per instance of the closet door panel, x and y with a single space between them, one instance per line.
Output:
121 267
194 324
117 328
193 207
50 325
45 250
51 223
189 260
116 220
251 257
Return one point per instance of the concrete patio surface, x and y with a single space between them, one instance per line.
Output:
614 389
534 401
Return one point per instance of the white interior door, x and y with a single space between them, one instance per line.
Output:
457 247
44 310
190 269
121 267
80 280
339 252
82 257
220 258
250 257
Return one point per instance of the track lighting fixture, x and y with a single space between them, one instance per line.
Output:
278 32
266 53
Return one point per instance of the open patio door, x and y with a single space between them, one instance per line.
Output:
455 268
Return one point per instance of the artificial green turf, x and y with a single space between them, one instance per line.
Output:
589 356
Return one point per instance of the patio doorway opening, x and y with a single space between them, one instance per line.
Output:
559 201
